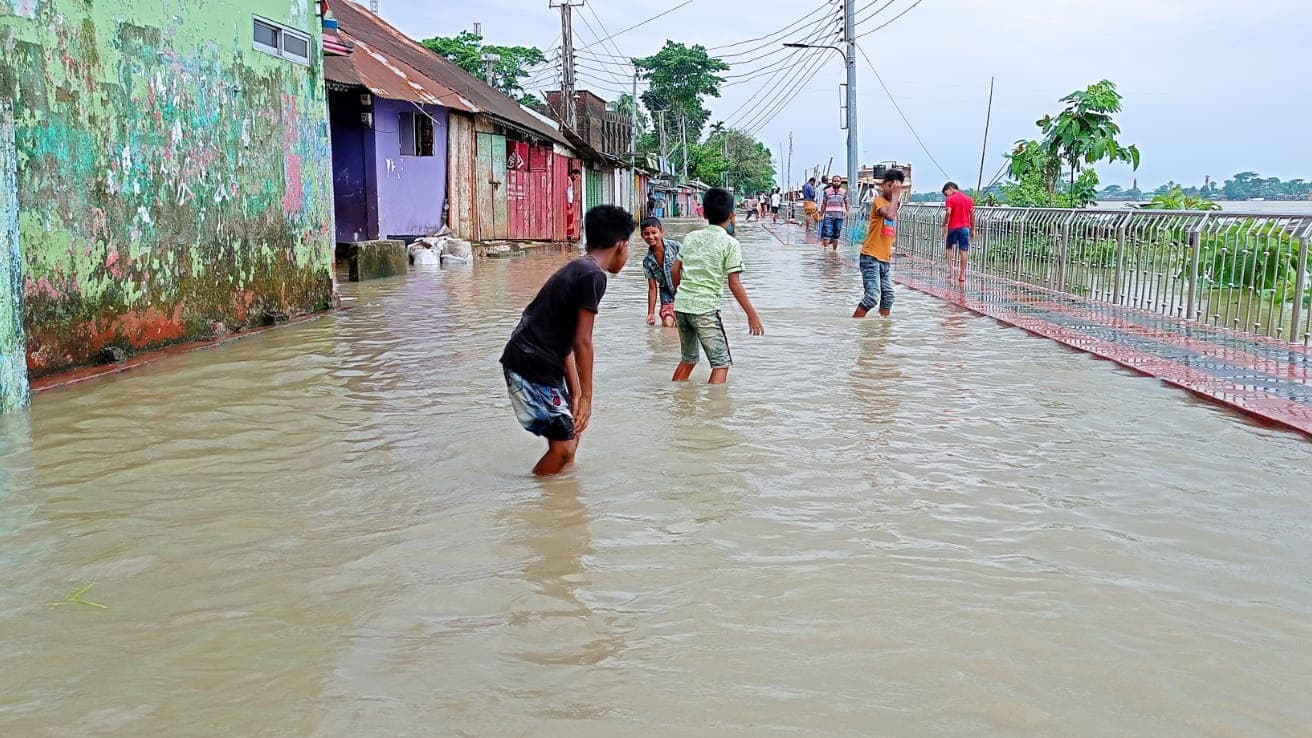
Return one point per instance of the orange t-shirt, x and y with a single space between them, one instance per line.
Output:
881 235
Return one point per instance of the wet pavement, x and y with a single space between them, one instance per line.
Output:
924 526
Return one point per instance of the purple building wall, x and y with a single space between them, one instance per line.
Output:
378 192
411 190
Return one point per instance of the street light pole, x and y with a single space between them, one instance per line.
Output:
849 12
849 61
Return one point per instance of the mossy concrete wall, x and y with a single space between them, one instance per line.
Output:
172 181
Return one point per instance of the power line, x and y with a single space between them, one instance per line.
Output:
877 11
898 108
775 33
890 21
662 14
594 33
766 117
752 106
606 31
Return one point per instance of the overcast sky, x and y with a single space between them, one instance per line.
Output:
1211 87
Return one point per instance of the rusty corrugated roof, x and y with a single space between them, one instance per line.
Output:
371 69
398 64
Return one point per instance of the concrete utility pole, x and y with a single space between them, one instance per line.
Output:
636 203
683 130
567 102
849 60
788 178
853 153
633 124
726 157
665 151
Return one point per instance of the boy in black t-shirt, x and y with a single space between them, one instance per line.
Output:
548 360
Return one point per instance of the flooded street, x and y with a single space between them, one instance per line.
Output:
930 526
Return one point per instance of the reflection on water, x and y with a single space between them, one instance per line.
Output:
929 525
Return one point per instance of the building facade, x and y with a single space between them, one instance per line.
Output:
164 175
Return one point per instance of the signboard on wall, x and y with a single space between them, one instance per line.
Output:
517 156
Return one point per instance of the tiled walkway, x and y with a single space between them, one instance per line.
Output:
1268 380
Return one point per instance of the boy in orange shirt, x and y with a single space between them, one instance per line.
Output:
877 248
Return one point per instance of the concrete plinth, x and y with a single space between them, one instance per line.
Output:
375 259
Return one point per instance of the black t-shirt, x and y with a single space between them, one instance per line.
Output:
545 334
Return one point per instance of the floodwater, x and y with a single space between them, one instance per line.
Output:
930 526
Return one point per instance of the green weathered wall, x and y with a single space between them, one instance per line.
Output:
170 178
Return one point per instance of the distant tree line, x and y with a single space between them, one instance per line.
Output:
1242 186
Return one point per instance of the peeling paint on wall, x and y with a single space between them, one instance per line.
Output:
13 365
173 181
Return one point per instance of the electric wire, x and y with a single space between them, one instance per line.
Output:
640 24
753 104
890 21
903 115
786 27
594 34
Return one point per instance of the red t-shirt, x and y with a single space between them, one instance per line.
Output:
963 210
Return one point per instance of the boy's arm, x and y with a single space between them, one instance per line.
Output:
580 362
676 274
947 218
889 211
740 294
651 301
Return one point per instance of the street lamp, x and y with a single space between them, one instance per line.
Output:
849 61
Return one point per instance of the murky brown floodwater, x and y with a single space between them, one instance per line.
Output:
926 527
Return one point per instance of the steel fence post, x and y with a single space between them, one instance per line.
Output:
1300 279
1059 267
1195 256
1020 244
1119 276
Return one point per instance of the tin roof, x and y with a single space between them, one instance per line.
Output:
393 65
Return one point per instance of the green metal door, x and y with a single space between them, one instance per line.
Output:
490 184
593 195
13 353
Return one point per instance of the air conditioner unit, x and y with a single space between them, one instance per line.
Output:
366 99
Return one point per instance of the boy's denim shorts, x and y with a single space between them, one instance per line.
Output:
543 410
959 238
706 331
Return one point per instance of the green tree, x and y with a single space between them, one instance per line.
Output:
1034 173
746 160
679 78
625 106
1243 186
514 64
1084 133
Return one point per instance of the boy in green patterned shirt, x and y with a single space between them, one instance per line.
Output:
707 259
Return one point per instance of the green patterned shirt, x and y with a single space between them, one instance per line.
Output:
708 256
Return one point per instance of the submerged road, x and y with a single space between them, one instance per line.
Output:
927 526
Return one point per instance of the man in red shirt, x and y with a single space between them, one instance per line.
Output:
957 222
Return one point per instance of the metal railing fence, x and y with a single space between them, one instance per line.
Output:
1244 271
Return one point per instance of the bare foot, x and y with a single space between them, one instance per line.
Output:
860 312
884 313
